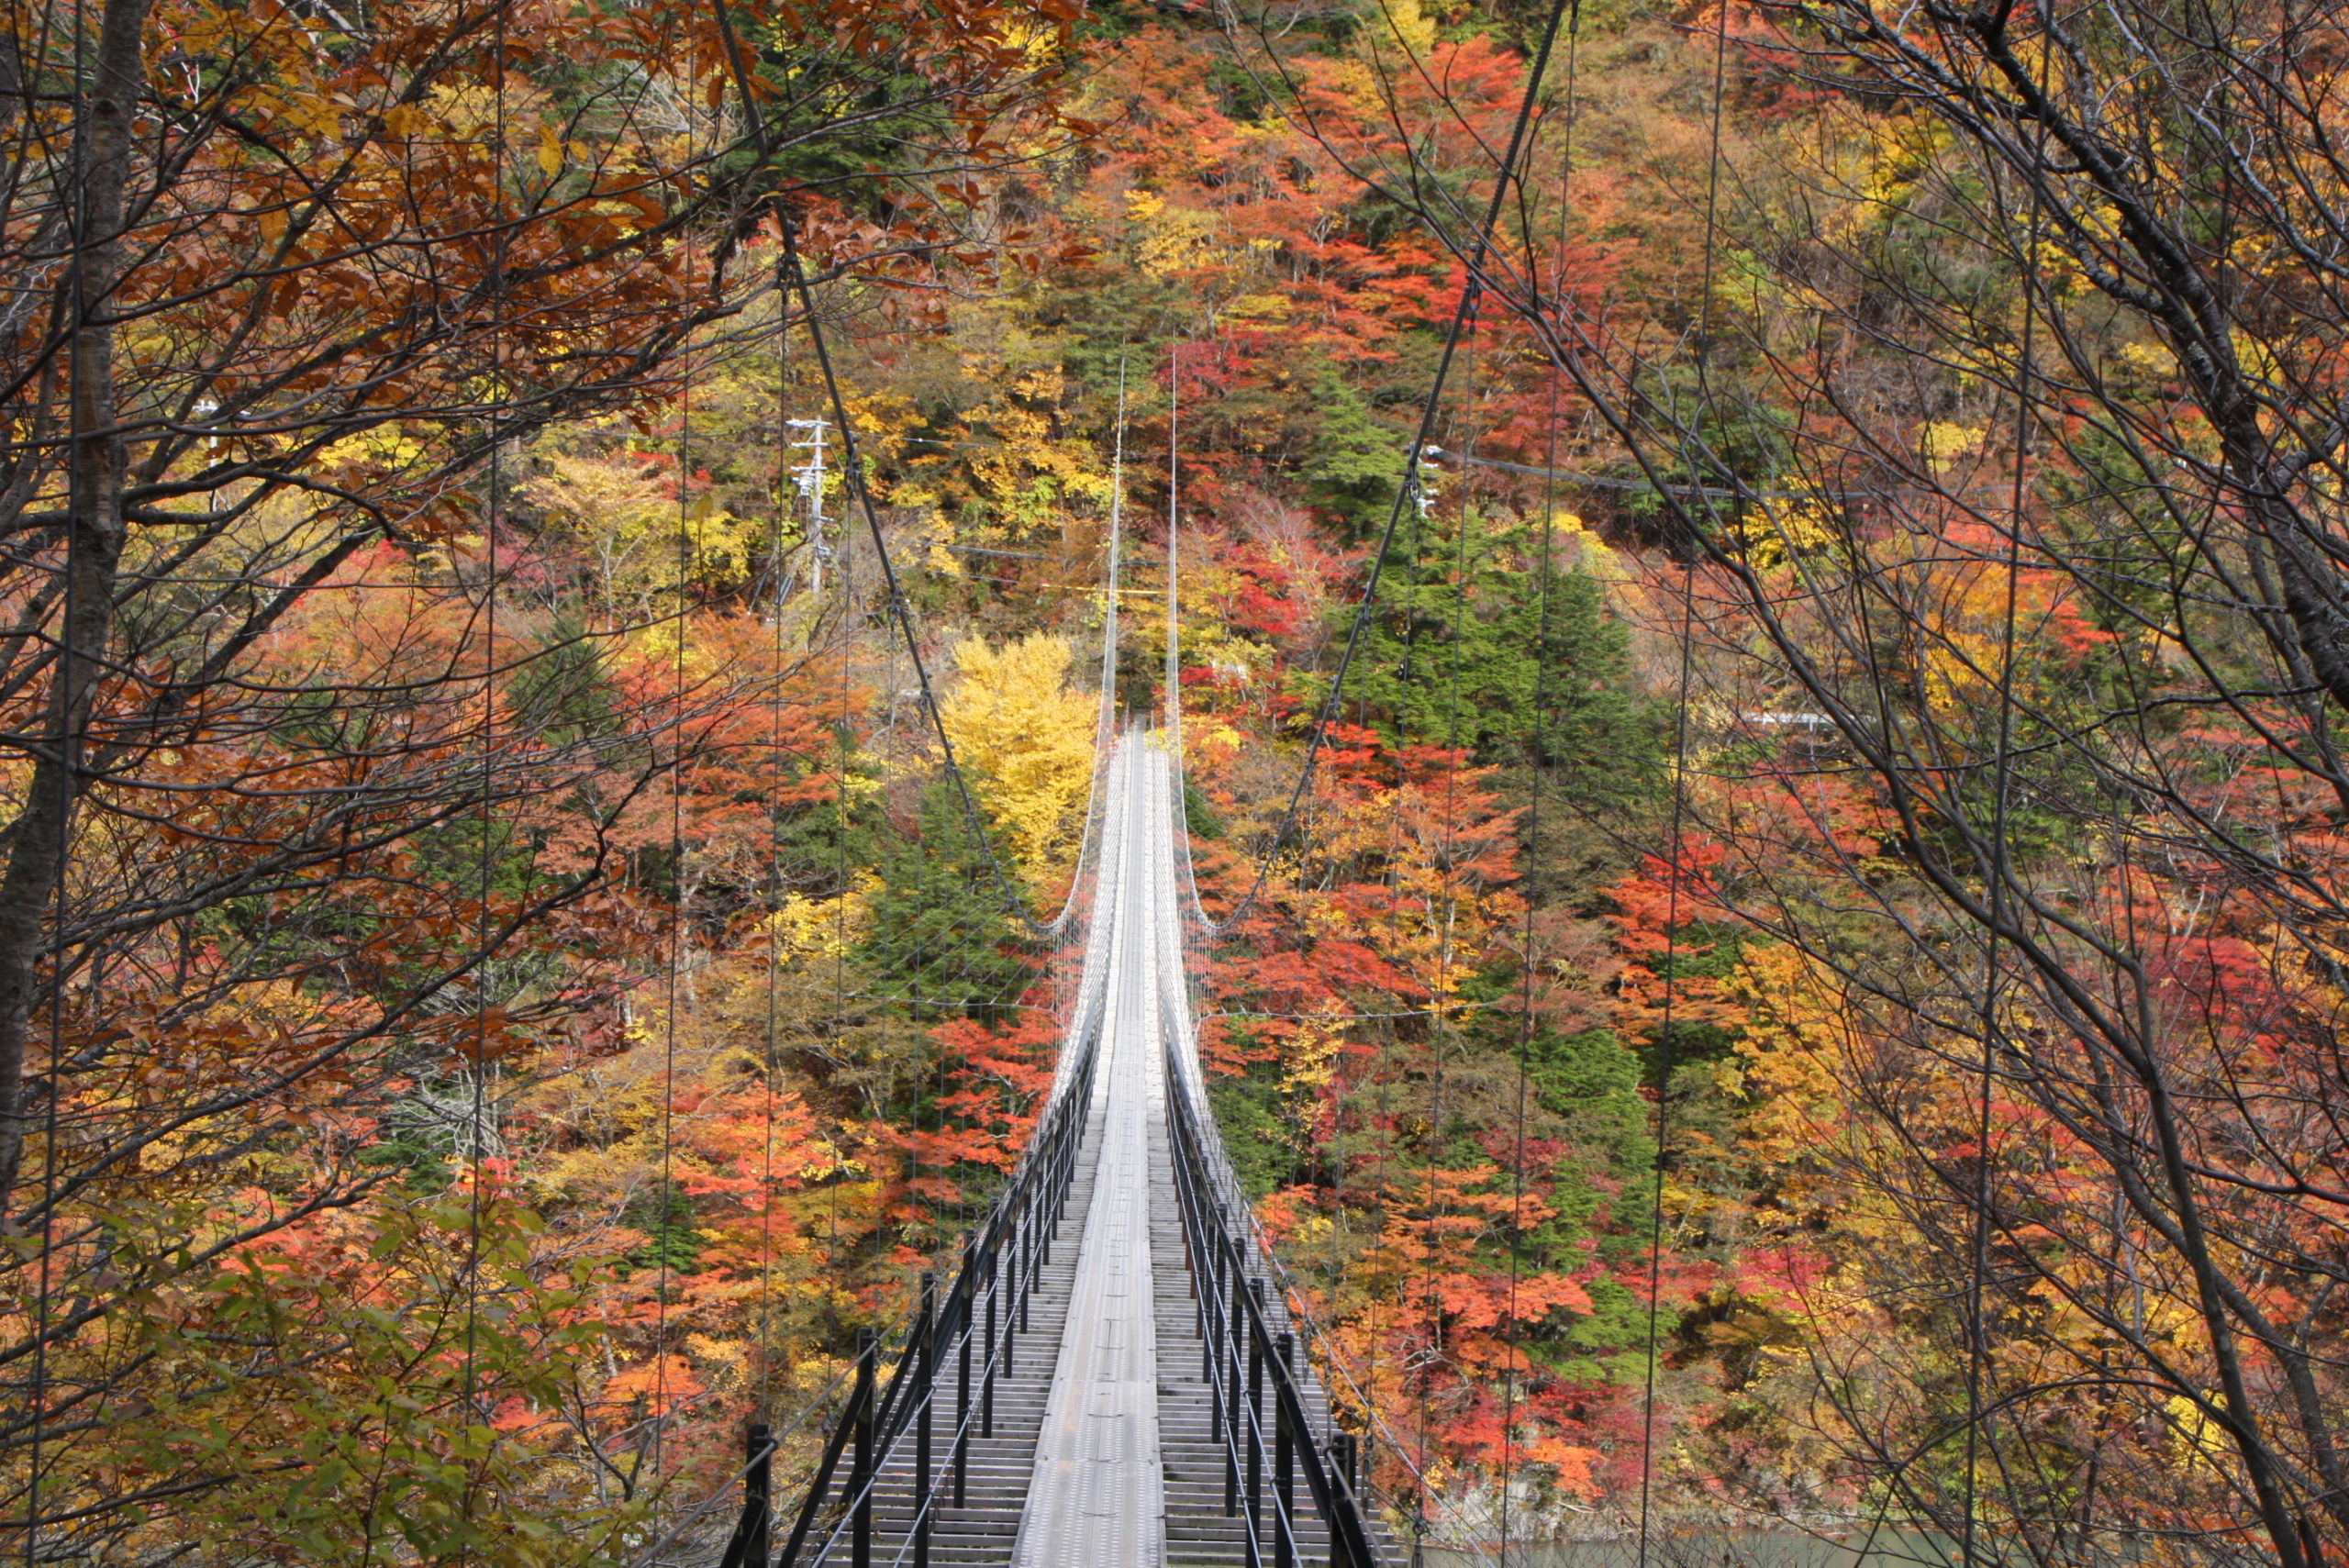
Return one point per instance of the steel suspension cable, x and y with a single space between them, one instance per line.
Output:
845 628
778 510
900 610
1445 923
1173 702
1537 749
477 1131
1978 1334
665 1222
1423 437
1675 831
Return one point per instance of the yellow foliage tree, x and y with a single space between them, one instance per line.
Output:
1014 722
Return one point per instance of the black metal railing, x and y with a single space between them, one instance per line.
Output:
957 1344
1257 1404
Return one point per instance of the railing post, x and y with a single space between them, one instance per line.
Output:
1011 1277
860 1475
1026 1265
1233 1329
1210 1335
1342 1470
1047 1202
926 1398
1255 1431
1034 1277
750 1547
962 1378
986 1372
759 1487
1190 1263
1209 1311
1285 1461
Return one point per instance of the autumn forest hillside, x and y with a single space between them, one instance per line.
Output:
1760 601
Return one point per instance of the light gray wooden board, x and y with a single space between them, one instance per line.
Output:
1096 1497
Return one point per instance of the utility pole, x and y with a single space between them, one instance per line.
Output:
809 477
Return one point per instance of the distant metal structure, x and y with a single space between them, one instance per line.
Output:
809 478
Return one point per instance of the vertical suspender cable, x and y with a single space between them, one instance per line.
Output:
1977 1337
1104 726
849 635
476 1131
1393 926
1537 749
1674 846
779 511
1444 901
664 1192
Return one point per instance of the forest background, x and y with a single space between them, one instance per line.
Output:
1805 993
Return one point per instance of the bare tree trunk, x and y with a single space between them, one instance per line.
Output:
38 838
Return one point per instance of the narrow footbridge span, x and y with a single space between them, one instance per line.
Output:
1111 1379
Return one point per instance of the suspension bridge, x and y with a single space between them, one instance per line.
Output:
1109 1378
1113 1376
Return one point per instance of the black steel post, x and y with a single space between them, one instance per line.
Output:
925 1401
758 1488
1060 1183
1207 1327
1012 1278
1190 1264
860 1475
1343 1470
749 1545
1048 1199
986 1372
1284 1462
1039 1247
961 1394
1210 1337
1233 1330
1255 1429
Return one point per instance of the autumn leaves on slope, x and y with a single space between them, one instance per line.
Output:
332 813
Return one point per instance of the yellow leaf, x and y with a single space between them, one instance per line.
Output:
1014 720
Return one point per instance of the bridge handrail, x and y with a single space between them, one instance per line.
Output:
877 1419
1221 1252
1294 1301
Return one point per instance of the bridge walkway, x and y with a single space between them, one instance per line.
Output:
1102 1452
